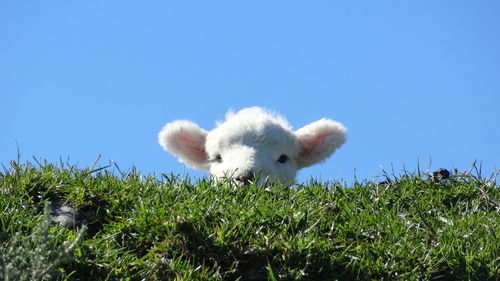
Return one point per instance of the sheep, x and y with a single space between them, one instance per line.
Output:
252 145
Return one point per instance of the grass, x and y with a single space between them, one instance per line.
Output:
149 228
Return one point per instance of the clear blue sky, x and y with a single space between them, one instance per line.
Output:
410 79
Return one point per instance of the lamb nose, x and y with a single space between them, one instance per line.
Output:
245 180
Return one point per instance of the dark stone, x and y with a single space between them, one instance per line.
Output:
440 174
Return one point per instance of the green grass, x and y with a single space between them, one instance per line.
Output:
145 228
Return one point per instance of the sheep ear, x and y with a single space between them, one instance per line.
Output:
186 140
318 140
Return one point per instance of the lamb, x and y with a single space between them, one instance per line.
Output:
252 145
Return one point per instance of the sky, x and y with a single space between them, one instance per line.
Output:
415 82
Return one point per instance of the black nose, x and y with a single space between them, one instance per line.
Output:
245 179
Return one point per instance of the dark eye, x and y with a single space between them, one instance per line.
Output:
283 158
218 158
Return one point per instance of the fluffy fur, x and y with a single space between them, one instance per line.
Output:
250 142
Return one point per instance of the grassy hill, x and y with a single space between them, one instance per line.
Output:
136 227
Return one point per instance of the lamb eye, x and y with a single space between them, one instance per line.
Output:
218 158
283 158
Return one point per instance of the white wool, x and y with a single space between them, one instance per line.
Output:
253 141
251 113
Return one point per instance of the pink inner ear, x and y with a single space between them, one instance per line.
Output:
308 145
195 144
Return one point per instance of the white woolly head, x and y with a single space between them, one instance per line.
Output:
251 142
